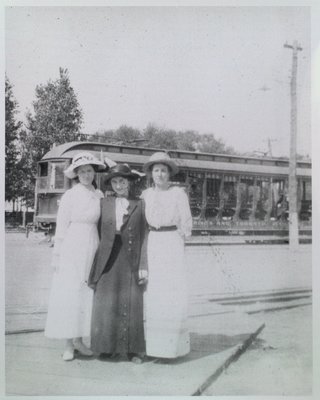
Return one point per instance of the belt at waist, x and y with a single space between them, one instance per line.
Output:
163 228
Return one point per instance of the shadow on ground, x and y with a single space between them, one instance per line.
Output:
201 346
209 344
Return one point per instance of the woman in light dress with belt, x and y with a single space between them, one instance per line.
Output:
169 217
76 241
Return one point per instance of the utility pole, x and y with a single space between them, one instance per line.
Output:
293 214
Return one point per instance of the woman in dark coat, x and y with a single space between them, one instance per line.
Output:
119 272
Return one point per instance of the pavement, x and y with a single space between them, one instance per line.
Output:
205 240
278 363
244 303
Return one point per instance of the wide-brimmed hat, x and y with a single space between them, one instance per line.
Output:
161 157
83 158
122 170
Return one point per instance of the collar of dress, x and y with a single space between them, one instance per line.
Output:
122 203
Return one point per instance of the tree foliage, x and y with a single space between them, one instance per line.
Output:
12 130
123 135
57 117
28 170
162 138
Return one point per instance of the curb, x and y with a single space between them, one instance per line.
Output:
18 332
234 357
247 242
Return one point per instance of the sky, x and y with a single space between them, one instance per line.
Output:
220 70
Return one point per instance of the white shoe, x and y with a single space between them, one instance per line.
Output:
82 349
68 355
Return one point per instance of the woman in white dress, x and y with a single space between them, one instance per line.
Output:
76 241
169 218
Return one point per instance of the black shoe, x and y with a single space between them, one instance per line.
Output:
105 356
164 360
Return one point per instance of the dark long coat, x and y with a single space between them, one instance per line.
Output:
117 315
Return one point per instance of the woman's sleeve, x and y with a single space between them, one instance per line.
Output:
100 220
144 239
63 221
143 195
185 220
99 194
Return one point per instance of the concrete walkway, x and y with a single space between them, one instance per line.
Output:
230 290
34 365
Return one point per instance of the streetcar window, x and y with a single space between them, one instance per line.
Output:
308 190
187 156
222 159
43 169
282 163
59 181
213 188
238 160
132 151
115 149
267 162
180 177
204 157
57 175
254 162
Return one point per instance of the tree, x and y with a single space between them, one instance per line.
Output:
27 173
160 137
102 136
57 117
209 144
188 140
125 134
184 140
12 130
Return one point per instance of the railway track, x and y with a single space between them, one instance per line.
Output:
250 303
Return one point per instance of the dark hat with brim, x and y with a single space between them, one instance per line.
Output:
122 170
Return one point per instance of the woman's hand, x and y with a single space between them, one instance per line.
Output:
143 277
182 235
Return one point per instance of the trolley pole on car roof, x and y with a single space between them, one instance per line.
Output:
293 214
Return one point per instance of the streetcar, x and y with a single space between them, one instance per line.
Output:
226 192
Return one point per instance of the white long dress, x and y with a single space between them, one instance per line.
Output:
76 241
165 298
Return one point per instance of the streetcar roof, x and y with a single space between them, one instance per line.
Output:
185 159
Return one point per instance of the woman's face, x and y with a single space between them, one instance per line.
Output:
120 185
85 174
160 174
